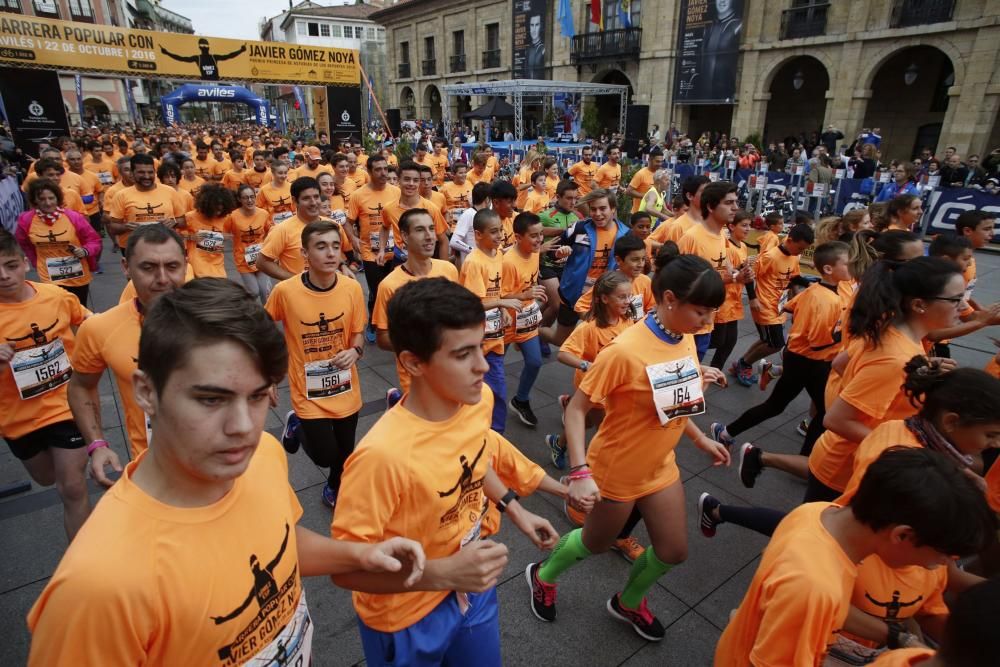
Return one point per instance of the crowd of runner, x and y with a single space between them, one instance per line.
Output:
195 553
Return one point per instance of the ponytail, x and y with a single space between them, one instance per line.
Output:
691 278
861 254
972 394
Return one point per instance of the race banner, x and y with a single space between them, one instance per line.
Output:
319 115
11 203
708 44
36 113
344 113
528 39
30 41
945 205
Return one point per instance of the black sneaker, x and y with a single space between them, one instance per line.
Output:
290 434
706 505
642 620
543 595
523 411
751 464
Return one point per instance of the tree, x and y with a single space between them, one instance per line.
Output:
591 121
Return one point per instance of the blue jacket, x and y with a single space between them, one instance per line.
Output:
582 237
892 190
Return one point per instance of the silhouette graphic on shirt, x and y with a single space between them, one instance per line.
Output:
51 236
37 335
323 324
265 587
893 606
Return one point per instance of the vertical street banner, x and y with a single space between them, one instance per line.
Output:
528 40
301 99
78 84
319 115
344 112
708 46
133 110
36 113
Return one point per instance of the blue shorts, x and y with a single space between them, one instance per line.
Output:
443 637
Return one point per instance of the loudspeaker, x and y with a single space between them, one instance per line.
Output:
636 121
393 118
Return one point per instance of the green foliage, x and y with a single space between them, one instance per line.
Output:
629 167
404 150
548 122
591 121
755 139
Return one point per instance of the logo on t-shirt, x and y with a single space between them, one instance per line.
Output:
148 213
50 238
468 490
327 337
36 334
250 234
494 289
893 606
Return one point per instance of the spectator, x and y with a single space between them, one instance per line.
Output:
904 183
777 158
954 173
976 174
830 137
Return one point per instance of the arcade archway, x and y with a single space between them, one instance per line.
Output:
798 99
609 108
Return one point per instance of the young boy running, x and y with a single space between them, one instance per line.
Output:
913 507
727 320
323 313
195 555
425 469
520 281
773 271
37 321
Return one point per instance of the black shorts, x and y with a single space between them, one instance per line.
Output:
62 435
772 334
550 272
566 315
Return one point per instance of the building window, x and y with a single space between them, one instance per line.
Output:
359 32
429 48
612 15
324 30
370 34
493 37
337 30
404 52
314 30
300 28
381 34
458 42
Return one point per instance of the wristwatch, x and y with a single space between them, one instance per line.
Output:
507 499
584 366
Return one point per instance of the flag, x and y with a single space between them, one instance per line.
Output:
133 110
78 81
597 14
566 19
625 13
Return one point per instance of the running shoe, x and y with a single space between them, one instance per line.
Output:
706 505
718 430
370 334
642 620
563 402
329 496
803 428
392 396
751 464
742 373
556 451
543 595
768 372
629 547
523 410
290 433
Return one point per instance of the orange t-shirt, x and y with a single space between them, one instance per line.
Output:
522 177
359 177
588 339
583 174
485 176
106 170
551 185
257 179
698 240
870 384
160 204
603 252
33 384
507 227
111 340
90 189
903 657
233 179
816 316
642 181
188 200
767 240
318 325
387 288
305 170
205 238
680 226
112 192
642 298
609 176
885 435
284 244
457 198
394 211
536 201
772 273
439 163
220 167
203 168
276 201
192 187
419 479
248 233
732 308
439 200
482 275
632 454
365 209
181 590
798 598
55 263
519 274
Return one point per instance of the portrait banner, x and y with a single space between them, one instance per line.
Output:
708 47
528 39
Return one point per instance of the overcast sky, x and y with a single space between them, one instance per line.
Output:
233 18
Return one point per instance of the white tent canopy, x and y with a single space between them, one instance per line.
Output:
518 88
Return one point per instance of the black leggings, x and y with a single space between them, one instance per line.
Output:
723 341
798 373
374 275
81 292
764 520
633 520
328 443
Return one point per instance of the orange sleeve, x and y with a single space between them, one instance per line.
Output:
583 304
934 604
687 245
380 311
373 474
440 226
797 619
354 207
515 469
874 387
579 342
359 310
473 279
275 305
87 357
611 370
273 245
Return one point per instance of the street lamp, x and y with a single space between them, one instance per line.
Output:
798 80
910 75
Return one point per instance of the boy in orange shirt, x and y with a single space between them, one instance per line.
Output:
427 468
773 271
36 325
323 313
905 513
195 555
771 238
727 320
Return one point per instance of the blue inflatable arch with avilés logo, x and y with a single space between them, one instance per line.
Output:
191 92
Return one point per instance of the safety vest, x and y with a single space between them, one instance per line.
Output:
658 204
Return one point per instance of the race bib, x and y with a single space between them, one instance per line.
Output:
968 290
373 240
339 217
105 178
324 379
63 268
293 645
281 217
676 389
635 305
782 302
38 370
251 253
528 318
476 530
494 321
209 241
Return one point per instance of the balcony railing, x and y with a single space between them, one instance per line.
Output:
46 8
457 63
429 67
807 21
491 59
610 44
13 6
404 70
81 10
906 13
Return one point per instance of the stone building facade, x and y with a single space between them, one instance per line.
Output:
927 72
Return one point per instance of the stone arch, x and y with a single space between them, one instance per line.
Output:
778 61
796 92
609 106
431 102
873 62
407 103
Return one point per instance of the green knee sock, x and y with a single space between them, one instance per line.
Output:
567 553
645 571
